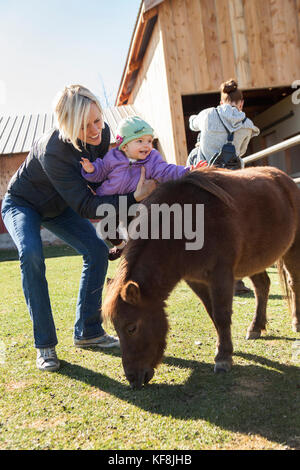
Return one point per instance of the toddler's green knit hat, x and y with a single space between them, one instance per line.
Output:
132 128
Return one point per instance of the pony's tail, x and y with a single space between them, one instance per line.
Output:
283 278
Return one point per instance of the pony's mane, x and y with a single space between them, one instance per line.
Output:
207 180
112 293
129 258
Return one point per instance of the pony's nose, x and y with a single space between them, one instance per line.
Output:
139 378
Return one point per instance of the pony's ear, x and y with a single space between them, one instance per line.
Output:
131 293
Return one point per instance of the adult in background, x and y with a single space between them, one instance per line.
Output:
48 190
213 124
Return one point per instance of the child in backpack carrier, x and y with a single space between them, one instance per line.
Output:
219 124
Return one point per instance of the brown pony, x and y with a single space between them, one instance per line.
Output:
251 220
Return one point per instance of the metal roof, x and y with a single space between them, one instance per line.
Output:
17 133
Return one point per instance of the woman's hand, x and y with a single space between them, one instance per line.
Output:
144 187
87 165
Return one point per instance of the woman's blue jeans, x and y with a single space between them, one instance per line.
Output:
23 224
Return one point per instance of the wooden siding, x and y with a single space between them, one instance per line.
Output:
253 40
151 94
208 41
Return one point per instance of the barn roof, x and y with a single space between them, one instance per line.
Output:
144 25
17 133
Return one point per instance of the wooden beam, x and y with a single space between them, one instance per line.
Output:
252 22
134 66
181 37
292 55
149 14
240 45
209 15
279 37
225 39
173 79
298 14
140 25
197 46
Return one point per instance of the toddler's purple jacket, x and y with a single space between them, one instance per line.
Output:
121 176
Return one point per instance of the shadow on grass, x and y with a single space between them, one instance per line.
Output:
250 295
259 398
49 252
275 338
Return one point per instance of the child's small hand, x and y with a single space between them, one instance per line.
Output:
87 165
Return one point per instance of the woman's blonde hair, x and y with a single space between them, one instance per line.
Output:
72 107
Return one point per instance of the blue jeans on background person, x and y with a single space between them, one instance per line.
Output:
23 224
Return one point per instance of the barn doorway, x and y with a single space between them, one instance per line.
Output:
271 109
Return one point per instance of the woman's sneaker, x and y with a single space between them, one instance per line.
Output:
46 359
104 341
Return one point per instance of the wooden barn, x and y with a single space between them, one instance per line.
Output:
182 50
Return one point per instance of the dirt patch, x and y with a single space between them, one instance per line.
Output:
43 424
20 385
98 394
249 388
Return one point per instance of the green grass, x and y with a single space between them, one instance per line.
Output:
89 405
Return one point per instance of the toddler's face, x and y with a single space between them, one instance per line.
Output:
140 148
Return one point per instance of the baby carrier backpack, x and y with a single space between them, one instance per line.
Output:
227 157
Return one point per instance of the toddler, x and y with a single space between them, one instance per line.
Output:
120 169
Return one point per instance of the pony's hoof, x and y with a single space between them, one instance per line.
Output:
296 328
222 366
253 334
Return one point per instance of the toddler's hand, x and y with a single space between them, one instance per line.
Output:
87 165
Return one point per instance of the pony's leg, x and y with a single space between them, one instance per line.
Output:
292 265
222 363
218 303
221 291
261 282
203 293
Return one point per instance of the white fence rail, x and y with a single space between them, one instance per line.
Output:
286 144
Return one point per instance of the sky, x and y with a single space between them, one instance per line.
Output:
47 44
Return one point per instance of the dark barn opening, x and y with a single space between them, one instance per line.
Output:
256 102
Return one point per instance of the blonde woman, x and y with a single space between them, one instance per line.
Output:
48 190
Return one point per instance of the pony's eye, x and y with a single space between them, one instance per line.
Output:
131 329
